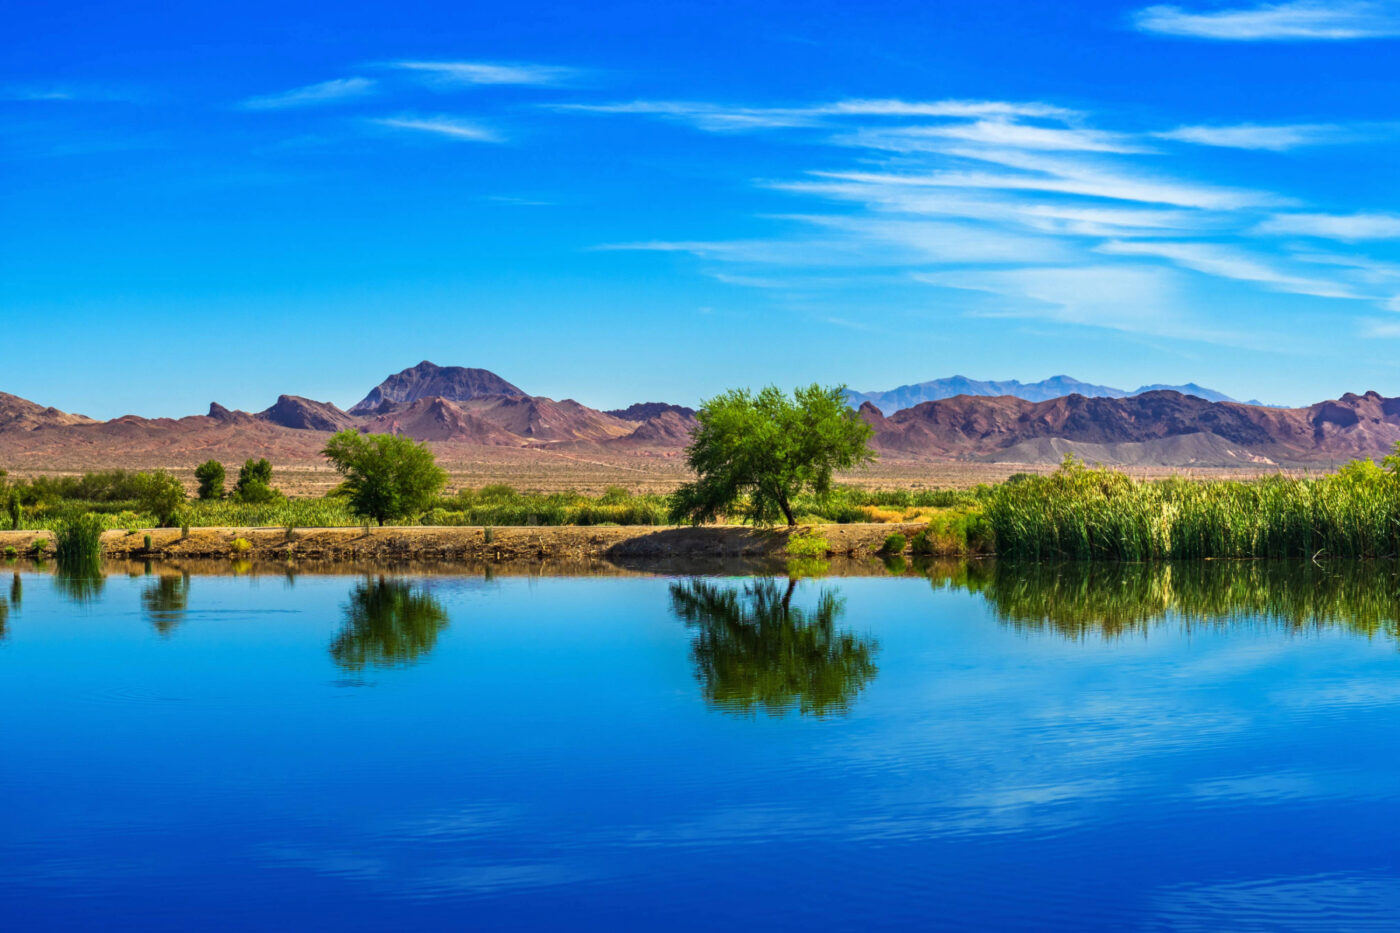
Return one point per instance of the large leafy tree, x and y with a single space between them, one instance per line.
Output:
386 475
768 446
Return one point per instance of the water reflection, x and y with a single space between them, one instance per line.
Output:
165 600
1109 600
388 623
754 649
81 586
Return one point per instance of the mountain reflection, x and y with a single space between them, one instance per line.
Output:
165 600
754 650
1083 599
388 623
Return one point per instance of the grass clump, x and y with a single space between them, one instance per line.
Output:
894 544
241 545
79 547
807 545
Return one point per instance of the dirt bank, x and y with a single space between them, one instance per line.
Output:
617 544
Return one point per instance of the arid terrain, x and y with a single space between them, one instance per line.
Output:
487 430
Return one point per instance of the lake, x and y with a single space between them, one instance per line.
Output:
1192 747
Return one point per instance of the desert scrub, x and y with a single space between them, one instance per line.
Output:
894 544
241 545
808 545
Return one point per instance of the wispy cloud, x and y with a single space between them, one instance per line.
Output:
450 127
720 118
490 73
1298 20
1232 263
1333 226
1067 221
313 95
1001 132
1256 136
75 93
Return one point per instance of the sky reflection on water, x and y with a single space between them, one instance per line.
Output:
989 747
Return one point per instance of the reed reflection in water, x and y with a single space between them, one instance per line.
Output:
754 650
1108 600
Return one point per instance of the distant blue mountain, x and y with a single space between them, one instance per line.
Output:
908 396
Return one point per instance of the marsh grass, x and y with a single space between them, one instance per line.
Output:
1084 513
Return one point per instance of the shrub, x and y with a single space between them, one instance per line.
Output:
808 544
255 483
162 495
10 551
210 474
894 544
146 545
922 543
242 545
489 534
39 546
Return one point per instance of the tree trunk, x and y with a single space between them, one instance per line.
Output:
787 510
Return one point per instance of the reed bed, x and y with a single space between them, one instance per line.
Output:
1083 513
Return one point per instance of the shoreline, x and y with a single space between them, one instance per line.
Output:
613 543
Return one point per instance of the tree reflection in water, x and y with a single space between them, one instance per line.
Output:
754 650
165 600
1108 600
388 623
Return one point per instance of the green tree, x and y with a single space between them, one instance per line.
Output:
770 447
14 508
161 494
255 482
210 474
386 475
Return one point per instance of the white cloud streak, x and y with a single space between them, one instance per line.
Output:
1349 227
469 73
450 127
1255 136
313 95
1230 263
1298 20
718 118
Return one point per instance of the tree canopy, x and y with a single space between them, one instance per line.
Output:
386 475
769 447
210 474
161 494
255 482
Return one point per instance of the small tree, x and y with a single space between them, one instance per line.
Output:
161 494
210 474
255 482
771 447
386 475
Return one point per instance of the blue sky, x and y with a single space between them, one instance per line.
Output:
623 201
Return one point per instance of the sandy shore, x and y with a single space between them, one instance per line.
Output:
617 544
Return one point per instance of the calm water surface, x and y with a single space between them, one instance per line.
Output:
1203 748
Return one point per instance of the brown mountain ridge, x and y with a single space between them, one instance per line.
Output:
467 408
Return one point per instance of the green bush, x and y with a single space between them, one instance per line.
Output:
894 544
10 551
210 474
807 544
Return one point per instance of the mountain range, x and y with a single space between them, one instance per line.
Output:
907 396
460 410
